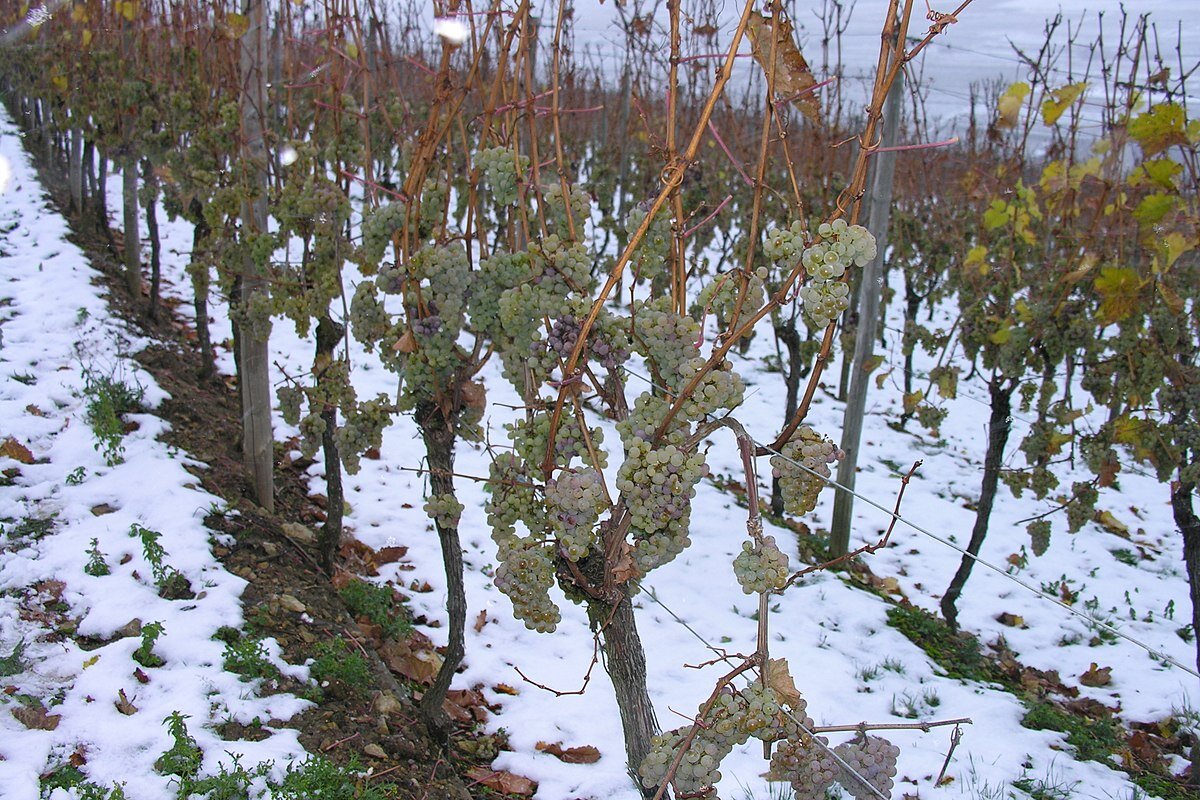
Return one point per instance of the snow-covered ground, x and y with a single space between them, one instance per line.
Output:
849 664
89 707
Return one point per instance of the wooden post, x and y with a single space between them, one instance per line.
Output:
257 438
870 291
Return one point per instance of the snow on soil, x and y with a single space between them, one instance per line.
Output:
850 665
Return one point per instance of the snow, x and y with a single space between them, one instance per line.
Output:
849 664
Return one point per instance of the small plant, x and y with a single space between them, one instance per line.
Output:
337 664
892 665
171 583
911 706
957 653
318 778
1126 556
96 565
247 657
184 758
69 777
377 604
27 378
77 476
14 662
231 783
145 654
108 398
1047 788
868 674
33 528
1093 740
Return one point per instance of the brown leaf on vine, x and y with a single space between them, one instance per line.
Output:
625 569
793 78
779 679
406 343
1120 291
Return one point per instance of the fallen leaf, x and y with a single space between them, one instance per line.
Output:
417 665
141 676
390 555
504 688
793 78
13 449
503 781
423 587
37 412
124 706
1011 620
1096 676
36 717
1111 524
102 509
585 754
481 620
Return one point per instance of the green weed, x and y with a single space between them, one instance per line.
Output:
377 604
340 666
96 565
1093 740
247 657
145 654
956 653
108 398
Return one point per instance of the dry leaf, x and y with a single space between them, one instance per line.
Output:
585 754
124 706
141 676
480 621
779 678
390 555
474 396
37 718
406 343
624 569
1011 620
504 782
1111 524
417 665
13 449
504 688
1096 676
793 78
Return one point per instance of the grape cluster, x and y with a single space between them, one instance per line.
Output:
532 437
826 295
658 484
735 716
720 387
785 246
525 575
503 170
761 566
379 225
369 321
312 428
870 764
666 338
574 501
807 765
644 420
444 509
513 499
497 273
800 488
291 399
650 259
556 210
719 296
362 430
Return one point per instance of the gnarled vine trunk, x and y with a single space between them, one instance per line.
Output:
439 439
1189 526
999 426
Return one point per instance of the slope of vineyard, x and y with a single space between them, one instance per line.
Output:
848 662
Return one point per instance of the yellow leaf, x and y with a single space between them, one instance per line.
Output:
1079 273
1112 524
238 24
1119 289
793 78
128 9
352 51
1002 334
1177 244
87 38
1173 301
1010 103
977 259
1022 309
780 679
1060 100
91 661
79 13
912 400
60 82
